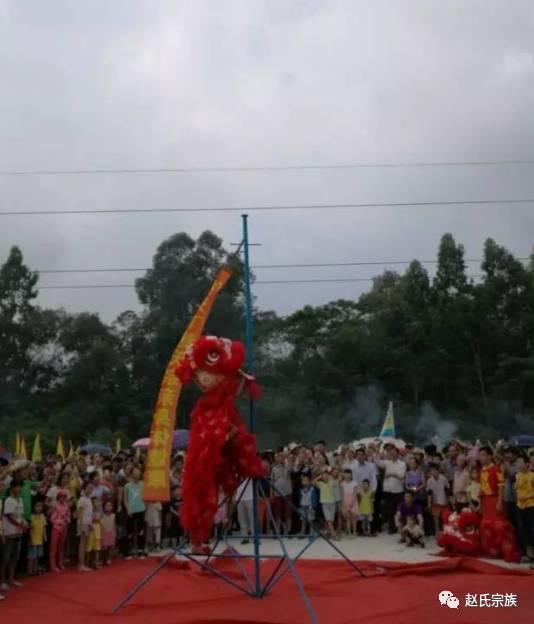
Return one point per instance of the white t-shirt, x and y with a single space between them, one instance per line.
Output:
246 487
12 507
438 489
392 470
85 511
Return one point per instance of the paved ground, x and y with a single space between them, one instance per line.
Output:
382 548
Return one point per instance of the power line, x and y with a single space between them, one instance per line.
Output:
303 265
301 281
260 168
468 202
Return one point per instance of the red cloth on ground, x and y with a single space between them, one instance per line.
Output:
399 594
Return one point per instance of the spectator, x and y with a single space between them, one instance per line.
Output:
459 483
244 496
14 525
325 485
60 520
349 508
175 527
308 502
84 512
415 479
153 525
524 483
407 507
37 538
393 487
282 489
363 469
509 468
135 509
438 495
366 507
109 533
473 488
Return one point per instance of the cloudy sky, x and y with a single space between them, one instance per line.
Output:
246 83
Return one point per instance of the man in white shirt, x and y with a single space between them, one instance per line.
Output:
13 527
393 488
363 470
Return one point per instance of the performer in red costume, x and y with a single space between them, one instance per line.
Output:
221 452
461 534
491 486
497 533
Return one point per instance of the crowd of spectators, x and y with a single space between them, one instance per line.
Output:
87 510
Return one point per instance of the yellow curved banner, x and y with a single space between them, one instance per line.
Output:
157 477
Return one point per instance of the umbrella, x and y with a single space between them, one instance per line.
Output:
142 443
180 440
94 447
4 458
522 440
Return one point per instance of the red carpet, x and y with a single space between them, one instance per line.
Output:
399 594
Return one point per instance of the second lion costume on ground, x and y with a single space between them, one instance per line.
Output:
221 452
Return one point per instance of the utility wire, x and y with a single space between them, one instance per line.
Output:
304 281
303 265
468 202
311 167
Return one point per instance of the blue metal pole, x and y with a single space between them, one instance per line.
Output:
251 408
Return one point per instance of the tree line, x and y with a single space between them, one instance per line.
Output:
455 354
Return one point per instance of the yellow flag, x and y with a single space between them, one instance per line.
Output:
23 452
17 444
37 454
137 453
60 449
71 450
157 478
118 445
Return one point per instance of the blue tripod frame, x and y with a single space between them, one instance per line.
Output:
255 586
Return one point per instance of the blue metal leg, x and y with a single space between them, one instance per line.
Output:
309 608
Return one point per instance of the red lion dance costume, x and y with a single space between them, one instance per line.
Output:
221 452
466 533
461 533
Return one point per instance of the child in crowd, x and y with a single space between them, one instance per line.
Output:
109 532
413 532
366 506
85 518
175 527
349 508
153 525
473 489
60 521
94 541
135 508
307 505
325 483
338 497
437 488
37 538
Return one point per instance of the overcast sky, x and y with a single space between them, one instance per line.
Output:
217 83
